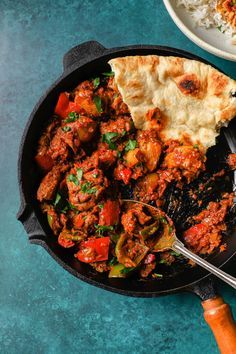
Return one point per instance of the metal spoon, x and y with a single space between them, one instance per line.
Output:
170 241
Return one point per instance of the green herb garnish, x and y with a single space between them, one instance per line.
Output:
156 275
163 261
79 174
110 139
100 229
73 178
72 117
176 254
86 188
127 270
131 145
101 206
110 73
98 103
96 82
57 199
72 207
66 129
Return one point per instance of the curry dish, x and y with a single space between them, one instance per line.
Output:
90 156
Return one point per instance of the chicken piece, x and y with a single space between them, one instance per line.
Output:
86 220
50 182
59 145
86 128
119 106
122 173
84 99
150 147
186 158
107 157
120 125
132 217
43 158
85 192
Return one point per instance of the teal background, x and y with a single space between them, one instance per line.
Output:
44 309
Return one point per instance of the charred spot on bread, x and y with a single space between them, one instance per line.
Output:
233 94
189 84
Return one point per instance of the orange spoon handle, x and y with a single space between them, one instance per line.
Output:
219 317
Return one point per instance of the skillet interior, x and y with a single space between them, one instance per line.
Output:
29 183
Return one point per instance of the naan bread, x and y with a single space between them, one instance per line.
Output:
191 98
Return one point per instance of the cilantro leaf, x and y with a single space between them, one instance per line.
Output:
86 188
110 138
127 270
110 73
72 117
96 82
131 145
57 199
79 174
156 275
100 229
73 178
98 103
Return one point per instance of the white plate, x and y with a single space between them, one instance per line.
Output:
212 40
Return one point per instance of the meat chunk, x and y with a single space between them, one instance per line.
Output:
133 217
150 147
84 192
50 182
120 125
43 158
84 99
107 157
119 106
186 158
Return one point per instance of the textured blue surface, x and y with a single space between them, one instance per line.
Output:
44 309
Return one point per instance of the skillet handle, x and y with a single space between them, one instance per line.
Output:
219 317
82 54
31 224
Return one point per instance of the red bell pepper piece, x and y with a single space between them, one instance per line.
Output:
109 215
94 250
64 106
78 221
126 174
195 231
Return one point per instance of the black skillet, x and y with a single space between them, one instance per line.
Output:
82 62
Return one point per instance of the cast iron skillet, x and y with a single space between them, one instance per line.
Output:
82 62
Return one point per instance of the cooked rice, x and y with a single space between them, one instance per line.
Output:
205 15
